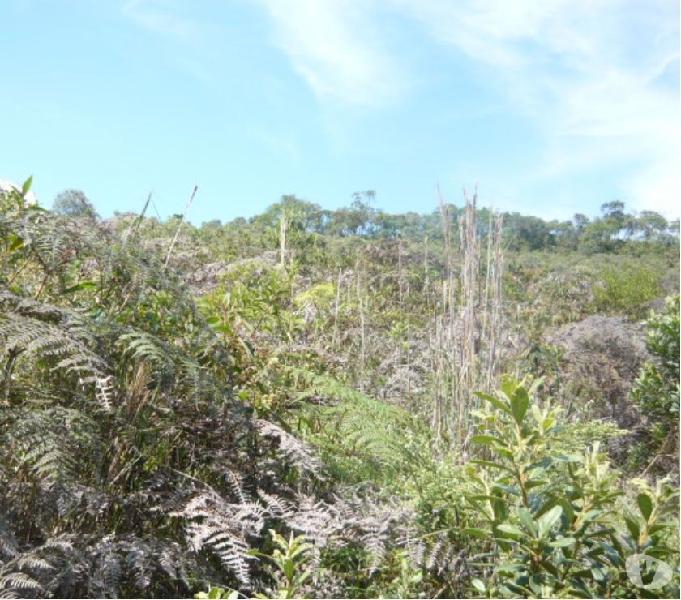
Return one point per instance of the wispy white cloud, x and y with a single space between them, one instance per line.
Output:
190 37
588 73
596 78
159 16
338 49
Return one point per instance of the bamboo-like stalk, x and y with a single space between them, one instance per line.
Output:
449 266
179 226
336 310
282 238
468 356
362 322
425 290
494 308
465 340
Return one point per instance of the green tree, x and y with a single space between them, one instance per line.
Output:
74 203
651 224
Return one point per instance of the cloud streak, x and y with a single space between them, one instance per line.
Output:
157 16
590 74
597 78
336 46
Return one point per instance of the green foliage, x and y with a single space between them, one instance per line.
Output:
152 444
627 289
74 204
290 564
127 463
253 297
217 593
656 391
362 439
555 518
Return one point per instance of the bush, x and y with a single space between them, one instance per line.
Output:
656 390
556 522
627 289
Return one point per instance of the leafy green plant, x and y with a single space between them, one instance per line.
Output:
555 518
627 288
656 390
290 564
217 593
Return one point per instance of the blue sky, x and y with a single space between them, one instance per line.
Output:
551 106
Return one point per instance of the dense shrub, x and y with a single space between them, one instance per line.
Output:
656 391
627 289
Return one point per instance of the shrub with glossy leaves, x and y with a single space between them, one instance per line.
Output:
558 523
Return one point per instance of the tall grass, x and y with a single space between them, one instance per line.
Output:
465 341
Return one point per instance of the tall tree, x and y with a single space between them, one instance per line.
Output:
74 203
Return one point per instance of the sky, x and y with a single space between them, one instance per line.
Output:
550 107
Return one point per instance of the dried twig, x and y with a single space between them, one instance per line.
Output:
179 226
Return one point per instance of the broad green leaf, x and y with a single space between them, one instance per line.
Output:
508 386
548 520
510 530
479 586
507 488
496 402
487 440
15 242
633 527
550 567
660 552
544 463
82 286
591 515
27 186
535 584
645 504
562 542
519 404
567 509
527 520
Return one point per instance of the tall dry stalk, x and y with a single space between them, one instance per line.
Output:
465 340
179 225
336 311
468 318
449 281
493 312
361 305
283 222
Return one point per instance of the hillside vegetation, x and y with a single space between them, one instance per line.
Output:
348 403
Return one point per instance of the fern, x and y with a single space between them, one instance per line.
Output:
298 453
8 543
359 437
56 336
14 584
222 528
48 442
105 392
144 346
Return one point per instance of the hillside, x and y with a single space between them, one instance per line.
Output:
349 403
